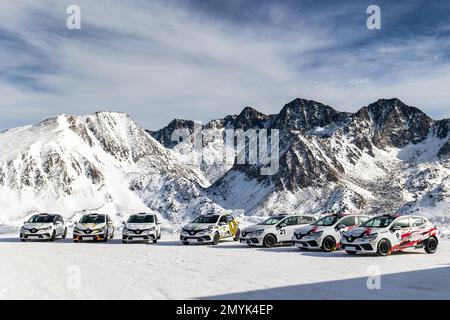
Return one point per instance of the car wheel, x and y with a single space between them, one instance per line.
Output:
53 236
384 247
76 241
64 234
124 241
216 239
105 239
155 241
269 241
352 253
431 245
112 235
328 244
237 235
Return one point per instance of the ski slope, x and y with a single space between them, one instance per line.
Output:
168 270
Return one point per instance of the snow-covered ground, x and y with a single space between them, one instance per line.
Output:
168 270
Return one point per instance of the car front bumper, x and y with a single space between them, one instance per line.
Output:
252 240
198 238
307 242
129 237
359 246
88 237
38 235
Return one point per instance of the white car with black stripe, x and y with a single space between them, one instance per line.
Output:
276 230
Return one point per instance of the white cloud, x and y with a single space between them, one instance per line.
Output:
159 60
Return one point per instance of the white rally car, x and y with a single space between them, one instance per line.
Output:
43 226
210 229
388 233
141 227
326 233
277 229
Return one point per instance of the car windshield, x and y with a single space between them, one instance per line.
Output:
93 218
206 219
141 218
378 222
271 221
327 221
41 219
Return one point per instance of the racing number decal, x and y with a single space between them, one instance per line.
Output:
282 231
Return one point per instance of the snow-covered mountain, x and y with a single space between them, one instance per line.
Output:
103 162
386 157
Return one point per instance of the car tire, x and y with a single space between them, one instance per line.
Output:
431 245
124 241
216 239
159 236
328 244
105 239
269 241
352 253
76 241
384 247
64 235
155 241
237 235
112 234
53 238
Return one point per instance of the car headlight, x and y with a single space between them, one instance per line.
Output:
47 228
208 230
152 229
317 234
371 237
185 230
256 233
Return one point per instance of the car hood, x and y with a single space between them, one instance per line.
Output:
198 226
360 231
91 226
256 227
311 229
37 225
139 226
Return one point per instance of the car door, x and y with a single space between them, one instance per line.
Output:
157 225
224 229
60 225
286 228
403 234
109 225
348 223
418 227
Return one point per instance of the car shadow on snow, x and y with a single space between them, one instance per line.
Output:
343 254
421 284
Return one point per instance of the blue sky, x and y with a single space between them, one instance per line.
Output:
202 59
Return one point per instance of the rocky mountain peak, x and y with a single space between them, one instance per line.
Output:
305 115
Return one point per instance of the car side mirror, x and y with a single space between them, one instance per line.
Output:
340 226
282 225
222 223
396 228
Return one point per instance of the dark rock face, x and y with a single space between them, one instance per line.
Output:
321 147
